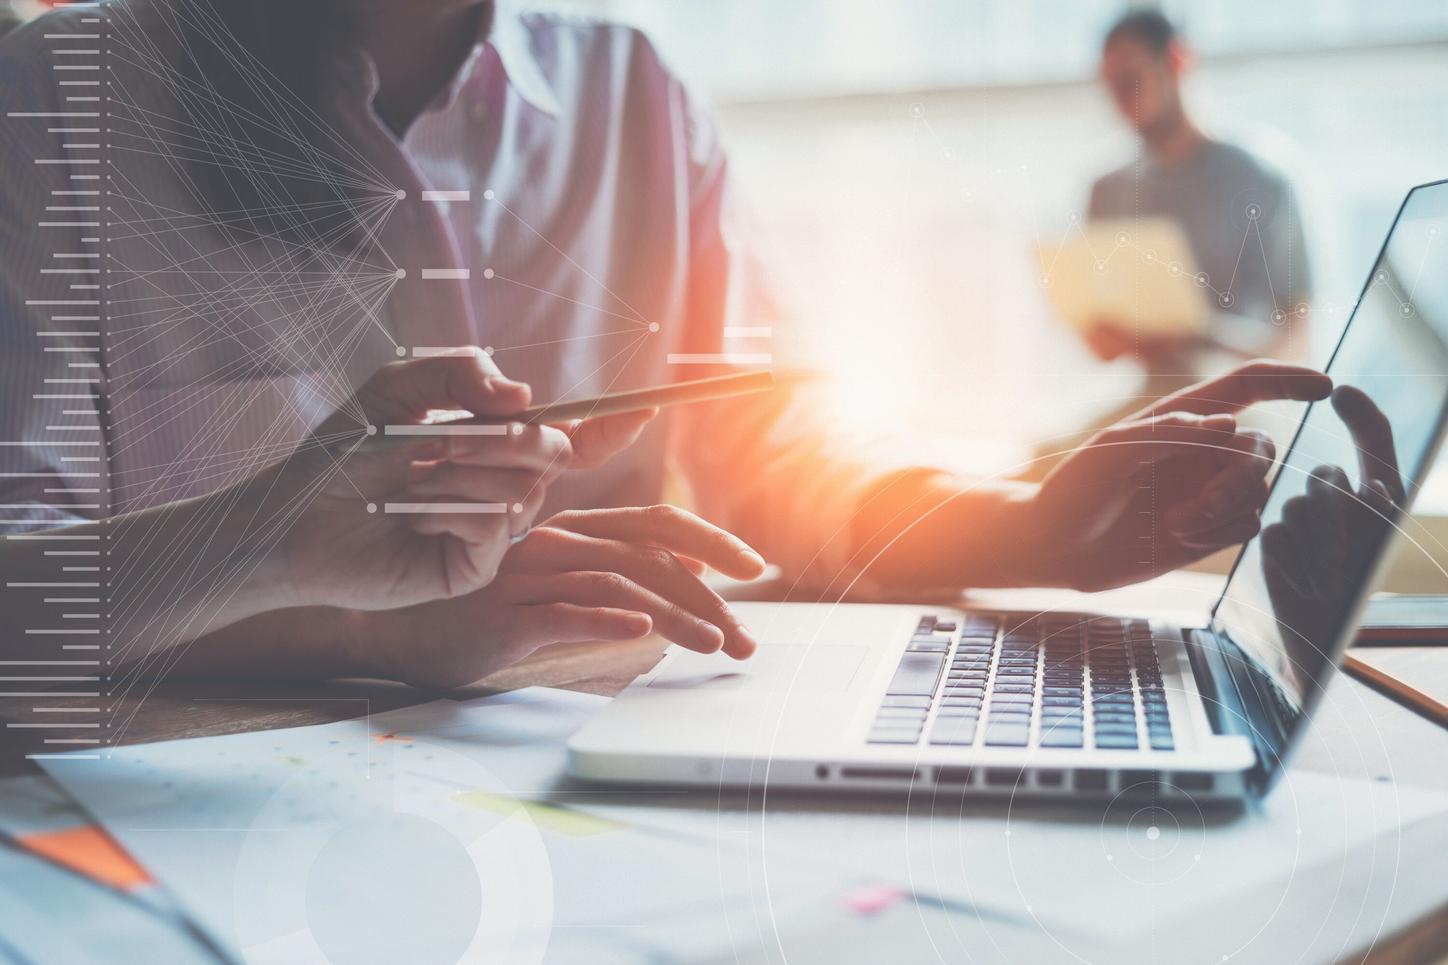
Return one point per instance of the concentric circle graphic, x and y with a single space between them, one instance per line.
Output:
428 859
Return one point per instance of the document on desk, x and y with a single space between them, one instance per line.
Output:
426 834
448 829
1319 868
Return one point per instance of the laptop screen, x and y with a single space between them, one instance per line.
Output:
1358 459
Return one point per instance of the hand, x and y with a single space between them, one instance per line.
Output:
1171 485
1109 340
1315 557
608 574
342 548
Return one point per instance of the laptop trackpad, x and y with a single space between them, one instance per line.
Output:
775 668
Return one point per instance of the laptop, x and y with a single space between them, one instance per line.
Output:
1084 704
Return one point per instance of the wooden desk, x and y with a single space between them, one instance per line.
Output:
1358 733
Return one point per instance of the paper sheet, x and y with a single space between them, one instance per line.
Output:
447 828
1317 864
420 835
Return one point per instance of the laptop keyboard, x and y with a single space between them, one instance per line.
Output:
1057 680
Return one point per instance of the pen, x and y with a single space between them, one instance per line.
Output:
1399 690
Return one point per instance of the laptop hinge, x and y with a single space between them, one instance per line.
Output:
1233 706
1207 683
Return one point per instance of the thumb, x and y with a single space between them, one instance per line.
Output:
466 380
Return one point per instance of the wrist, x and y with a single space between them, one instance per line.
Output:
935 530
256 554
364 644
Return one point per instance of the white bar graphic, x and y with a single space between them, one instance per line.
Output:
425 352
474 508
720 358
445 429
748 331
447 196
442 273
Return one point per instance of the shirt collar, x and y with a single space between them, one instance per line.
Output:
509 38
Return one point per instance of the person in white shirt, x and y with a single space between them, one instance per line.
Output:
300 195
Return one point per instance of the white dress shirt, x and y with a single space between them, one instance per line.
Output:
585 232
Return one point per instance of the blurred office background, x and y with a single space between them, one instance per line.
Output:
904 157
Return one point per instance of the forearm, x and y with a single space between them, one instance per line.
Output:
930 530
299 643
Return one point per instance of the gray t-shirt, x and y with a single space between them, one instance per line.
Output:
1240 219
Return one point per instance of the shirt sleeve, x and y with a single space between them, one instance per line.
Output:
771 468
48 475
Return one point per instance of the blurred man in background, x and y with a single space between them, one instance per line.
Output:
1237 213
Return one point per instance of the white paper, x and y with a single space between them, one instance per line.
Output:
363 840
1322 861
350 840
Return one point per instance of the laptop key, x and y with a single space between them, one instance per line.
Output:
922 703
1023 700
1006 734
1115 742
1061 737
953 730
900 713
894 735
916 675
1023 686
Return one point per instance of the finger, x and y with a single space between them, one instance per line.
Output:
540 448
474 522
551 550
1330 495
595 441
670 528
1304 520
1239 487
451 479
1123 450
408 390
1230 532
1259 381
601 589
478 524
481 483
569 623
1282 561
1372 434
472 545
1378 497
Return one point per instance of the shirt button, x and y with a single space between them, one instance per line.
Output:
479 110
